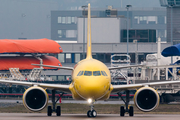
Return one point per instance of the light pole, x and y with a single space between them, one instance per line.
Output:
127 7
171 6
136 51
83 13
136 59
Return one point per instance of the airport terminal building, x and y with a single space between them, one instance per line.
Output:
109 33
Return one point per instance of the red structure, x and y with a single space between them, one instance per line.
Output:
29 46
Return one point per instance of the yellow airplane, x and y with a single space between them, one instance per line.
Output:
91 81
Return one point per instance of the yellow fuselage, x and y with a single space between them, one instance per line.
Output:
94 87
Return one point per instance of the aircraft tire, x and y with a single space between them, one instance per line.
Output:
49 111
131 111
89 113
93 113
58 111
122 111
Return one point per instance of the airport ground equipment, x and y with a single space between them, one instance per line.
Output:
16 74
117 60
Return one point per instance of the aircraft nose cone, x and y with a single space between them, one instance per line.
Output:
95 88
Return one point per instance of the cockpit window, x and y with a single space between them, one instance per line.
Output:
80 73
103 73
87 73
96 73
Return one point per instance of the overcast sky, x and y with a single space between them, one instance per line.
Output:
76 4
68 4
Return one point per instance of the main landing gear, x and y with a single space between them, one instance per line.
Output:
92 112
128 109
50 110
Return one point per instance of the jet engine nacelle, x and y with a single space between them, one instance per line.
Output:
146 99
35 98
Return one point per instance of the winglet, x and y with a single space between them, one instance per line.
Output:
89 52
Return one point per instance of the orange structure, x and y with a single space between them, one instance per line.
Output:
24 62
29 46
33 47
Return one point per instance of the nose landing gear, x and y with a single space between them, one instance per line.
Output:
92 112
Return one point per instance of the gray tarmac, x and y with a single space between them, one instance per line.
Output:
71 101
42 116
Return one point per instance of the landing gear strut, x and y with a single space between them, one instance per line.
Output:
92 112
50 110
128 109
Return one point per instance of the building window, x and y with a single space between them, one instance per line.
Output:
152 20
63 20
62 33
59 19
73 19
61 57
71 33
68 20
165 19
68 58
143 19
77 58
165 33
100 57
107 58
136 19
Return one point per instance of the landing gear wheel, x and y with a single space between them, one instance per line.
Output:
89 113
122 111
93 113
58 111
49 111
131 111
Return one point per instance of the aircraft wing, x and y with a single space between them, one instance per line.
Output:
59 67
121 67
118 88
60 87
148 66
162 66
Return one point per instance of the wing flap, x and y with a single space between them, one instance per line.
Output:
121 67
59 67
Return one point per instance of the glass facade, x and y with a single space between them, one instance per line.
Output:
103 57
170 2
140 35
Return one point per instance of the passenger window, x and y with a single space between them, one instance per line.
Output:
87 73
96 73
